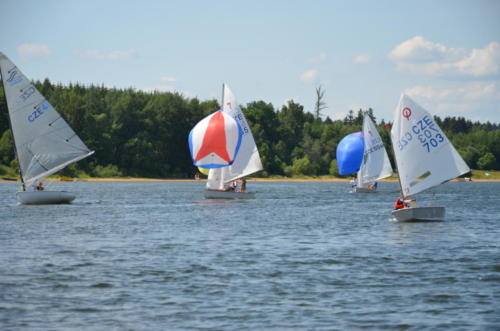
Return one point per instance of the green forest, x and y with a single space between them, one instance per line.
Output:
139 134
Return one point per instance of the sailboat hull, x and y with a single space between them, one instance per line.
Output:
44 197
419 214
364 190
215 194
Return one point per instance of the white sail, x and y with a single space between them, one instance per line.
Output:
424 155
376 164
215 180
248 160
45 143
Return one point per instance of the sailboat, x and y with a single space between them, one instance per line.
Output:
376 164
349 153
424 157
44 143
246 159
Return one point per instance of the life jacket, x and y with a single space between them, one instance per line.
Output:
399 204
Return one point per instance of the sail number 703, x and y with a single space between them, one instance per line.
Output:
428 134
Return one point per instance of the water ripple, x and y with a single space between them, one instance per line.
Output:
302 256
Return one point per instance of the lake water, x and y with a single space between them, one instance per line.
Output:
302 256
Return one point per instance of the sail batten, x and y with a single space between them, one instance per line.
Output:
421 147
44 141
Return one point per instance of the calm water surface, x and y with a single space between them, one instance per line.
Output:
156 256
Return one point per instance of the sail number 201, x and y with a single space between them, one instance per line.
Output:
425 132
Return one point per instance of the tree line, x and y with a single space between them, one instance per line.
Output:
141 134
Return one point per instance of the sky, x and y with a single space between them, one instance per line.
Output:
444 54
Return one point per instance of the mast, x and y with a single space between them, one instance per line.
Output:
396 161
221 171
222 100
12 132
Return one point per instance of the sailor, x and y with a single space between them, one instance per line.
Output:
39 187
243 186
400 203
353 182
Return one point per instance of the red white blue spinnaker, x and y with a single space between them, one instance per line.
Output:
215 141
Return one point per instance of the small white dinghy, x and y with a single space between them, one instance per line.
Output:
375 164
218 194
424 157
44 143
419 214
44 197
358 189
231 157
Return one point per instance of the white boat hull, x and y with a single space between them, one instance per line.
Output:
44 197
364 190
419 214
215 194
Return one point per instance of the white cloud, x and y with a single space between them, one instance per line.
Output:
319 59
420 56
33 50
471 92
418 49
168 79
478 91
309 76
482 62
362 59
429 92
454 108
112 55
465 100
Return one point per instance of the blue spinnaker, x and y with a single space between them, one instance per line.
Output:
350 153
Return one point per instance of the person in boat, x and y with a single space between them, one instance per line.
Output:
243 187
353 182
373 185
231 187
39 187
401 203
